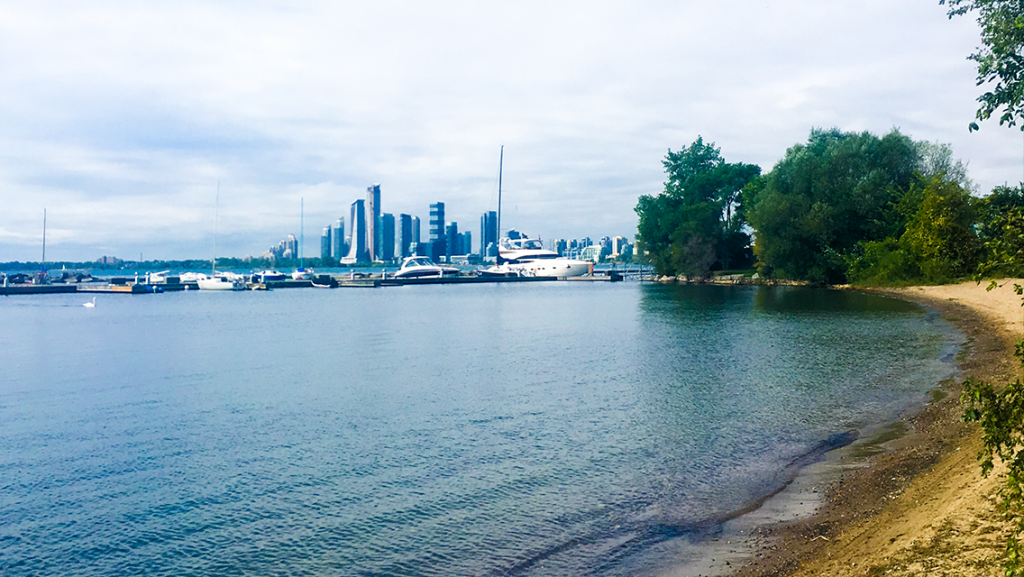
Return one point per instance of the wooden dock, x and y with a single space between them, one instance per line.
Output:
37 289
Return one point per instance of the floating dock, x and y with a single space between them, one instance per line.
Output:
37 289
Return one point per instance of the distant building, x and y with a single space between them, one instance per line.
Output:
438 241
416 231
325 246
339 248
357 247
591 253
386 246
403 235
452 247
488 230
619 245
372 219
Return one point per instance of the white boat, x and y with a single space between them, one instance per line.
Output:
302 274
267 275
423 267
222 282
528 257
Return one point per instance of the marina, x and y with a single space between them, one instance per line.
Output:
352 280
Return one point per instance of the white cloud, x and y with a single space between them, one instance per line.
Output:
121 117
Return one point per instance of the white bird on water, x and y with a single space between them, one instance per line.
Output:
90 305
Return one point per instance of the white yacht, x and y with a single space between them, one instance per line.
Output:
528 257
268 275
222 281
302 274
423 267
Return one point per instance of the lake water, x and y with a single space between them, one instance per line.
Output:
532 429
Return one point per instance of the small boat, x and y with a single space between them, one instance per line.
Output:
302 274
222 282
422 267
268 275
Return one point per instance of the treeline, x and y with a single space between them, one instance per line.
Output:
843 207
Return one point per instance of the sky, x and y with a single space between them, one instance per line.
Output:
156 129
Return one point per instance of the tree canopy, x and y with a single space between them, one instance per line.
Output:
824 198
1000 58
695 224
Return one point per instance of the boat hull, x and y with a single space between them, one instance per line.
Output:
220 284
547 268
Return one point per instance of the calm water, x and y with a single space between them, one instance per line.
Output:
536 429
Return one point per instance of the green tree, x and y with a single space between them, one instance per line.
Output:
824 198
1000 58
695 224
1002 233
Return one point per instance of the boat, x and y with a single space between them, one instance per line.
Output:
268 275
528 257
302 273
423 267
222 281
522 256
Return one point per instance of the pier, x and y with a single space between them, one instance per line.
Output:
320 281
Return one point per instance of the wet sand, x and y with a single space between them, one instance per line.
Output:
919 506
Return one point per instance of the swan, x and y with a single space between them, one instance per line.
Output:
90 305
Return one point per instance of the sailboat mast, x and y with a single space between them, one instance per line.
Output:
43 264
302 228
216 215
501 161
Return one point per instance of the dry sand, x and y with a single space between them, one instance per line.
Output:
921 508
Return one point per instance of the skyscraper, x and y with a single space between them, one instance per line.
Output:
372 220
488 230
438 242
339 247
387 237
357 247
452 246
325 245
416 238
403 235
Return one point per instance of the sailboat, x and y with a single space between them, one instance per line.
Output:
219 281
301 273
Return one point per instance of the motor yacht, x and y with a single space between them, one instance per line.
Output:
268 275
528 257
423 267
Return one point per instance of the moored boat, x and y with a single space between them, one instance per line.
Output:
423 267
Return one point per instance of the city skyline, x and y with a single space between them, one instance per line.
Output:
121 122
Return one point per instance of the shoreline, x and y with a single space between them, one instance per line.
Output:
918 504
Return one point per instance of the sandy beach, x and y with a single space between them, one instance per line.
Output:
921 507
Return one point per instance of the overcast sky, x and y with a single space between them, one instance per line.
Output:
120 118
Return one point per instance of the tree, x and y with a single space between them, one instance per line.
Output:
1002 233
1001 57
824 198
695 224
